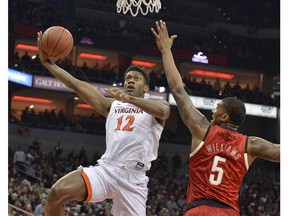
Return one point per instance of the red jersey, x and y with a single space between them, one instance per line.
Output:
217 167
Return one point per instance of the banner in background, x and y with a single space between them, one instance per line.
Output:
51 83
210 103
20 77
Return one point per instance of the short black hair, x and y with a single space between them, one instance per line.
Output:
235 109
138 69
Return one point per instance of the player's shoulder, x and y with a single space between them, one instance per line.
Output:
253 139
255 144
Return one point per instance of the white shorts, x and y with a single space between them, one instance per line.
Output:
128 189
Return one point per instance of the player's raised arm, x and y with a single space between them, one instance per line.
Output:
194 120
85 91
259 147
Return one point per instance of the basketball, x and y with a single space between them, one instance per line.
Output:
57 42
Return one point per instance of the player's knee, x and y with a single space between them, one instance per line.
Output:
56 195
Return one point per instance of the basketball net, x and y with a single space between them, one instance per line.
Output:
134 6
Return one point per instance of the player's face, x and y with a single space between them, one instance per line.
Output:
218 114
135 84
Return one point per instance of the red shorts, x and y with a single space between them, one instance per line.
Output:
205 210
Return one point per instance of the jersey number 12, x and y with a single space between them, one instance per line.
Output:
127 126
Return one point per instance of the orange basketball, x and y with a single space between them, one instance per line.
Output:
57 42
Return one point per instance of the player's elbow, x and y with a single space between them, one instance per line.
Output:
276 154
176 90
165 112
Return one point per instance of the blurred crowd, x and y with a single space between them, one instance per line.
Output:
249 51
258 196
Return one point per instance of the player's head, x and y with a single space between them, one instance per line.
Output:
229 111
136 81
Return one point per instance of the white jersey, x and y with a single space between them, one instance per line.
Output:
132 136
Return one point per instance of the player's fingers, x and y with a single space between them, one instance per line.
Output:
173 37
154 33
39 34
38 42
115 92
163 26
107 90
111 91
39 38
158 27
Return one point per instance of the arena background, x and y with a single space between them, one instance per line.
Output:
266 124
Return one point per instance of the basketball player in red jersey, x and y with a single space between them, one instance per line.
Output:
134 126
220 156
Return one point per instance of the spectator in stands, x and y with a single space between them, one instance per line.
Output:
163 161
176 162
72 156
53 116
25 114
25 60
36 145
28 208
82 156
39 210
172 205
58 150
46 117
217 86
15 59
84 68
96 71
227 91
237 90
19 157
61 118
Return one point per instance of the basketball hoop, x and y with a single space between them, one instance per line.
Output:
134 6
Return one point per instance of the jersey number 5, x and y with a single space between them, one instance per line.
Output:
219 170
128 125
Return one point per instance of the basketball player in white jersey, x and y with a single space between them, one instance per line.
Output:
133 130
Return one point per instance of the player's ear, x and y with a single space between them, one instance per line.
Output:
146 88
225 117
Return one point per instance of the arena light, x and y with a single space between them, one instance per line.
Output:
84 106
27 47
143 63
211 74
33 100
92 56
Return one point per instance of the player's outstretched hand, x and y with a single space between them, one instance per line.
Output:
164 42
42 55
117 94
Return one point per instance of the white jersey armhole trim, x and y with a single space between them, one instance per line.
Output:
197 149
246 160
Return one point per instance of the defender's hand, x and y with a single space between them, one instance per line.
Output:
164 42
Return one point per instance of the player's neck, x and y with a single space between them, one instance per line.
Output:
229 126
